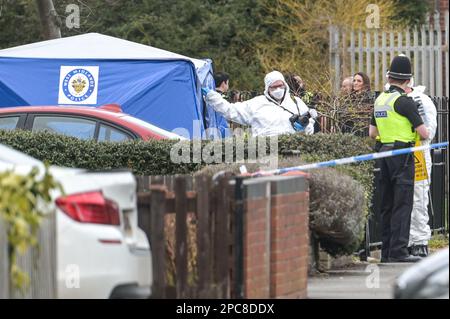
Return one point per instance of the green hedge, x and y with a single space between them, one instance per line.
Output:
337 201
142 158
153 157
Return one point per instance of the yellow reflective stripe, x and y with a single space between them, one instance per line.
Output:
391 126
392 96
386 102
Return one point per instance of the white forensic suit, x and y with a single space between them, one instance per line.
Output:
263 114
420 231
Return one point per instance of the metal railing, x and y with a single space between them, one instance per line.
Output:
371 52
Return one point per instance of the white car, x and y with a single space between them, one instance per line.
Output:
428 279
97 231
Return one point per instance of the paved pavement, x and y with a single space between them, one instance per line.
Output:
358 281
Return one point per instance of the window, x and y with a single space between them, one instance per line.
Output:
8 123
71 126
110 134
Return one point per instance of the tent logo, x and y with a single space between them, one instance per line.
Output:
78 85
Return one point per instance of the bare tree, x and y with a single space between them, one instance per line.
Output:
49 19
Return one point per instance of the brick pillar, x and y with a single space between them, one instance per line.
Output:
276 243
440 6
443 7
256 237
290 242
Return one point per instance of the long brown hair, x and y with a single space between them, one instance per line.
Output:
366 80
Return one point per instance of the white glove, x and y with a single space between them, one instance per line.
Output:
309 129
313 113
429 132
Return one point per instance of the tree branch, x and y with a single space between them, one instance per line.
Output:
49 19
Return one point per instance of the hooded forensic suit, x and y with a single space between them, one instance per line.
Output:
263 113
420 231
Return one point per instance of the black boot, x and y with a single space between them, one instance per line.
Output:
423 250
406 259
415 250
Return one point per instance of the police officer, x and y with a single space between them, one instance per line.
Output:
397 122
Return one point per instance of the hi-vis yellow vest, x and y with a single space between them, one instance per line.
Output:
391 125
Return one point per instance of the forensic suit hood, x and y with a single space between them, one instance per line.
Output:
271 78
263 114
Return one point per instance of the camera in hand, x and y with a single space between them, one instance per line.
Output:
299 122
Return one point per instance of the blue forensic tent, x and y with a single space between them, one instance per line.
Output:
157 86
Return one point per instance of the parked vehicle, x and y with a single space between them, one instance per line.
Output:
428 278
106 123
97 230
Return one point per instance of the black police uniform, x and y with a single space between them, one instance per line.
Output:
397 187
397 180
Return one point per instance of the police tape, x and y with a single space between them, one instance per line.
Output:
347 160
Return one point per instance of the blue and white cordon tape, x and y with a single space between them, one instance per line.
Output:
347 160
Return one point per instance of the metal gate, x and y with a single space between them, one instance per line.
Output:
371 51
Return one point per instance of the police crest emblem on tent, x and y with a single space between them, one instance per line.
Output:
141 78
78 85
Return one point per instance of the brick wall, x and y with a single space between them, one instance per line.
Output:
276 243
443 7
440 6
256 251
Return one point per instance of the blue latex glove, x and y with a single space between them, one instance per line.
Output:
205 91
298 127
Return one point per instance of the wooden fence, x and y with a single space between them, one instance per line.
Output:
198 212
371 52
39 263
4 264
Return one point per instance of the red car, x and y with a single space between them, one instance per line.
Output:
106 123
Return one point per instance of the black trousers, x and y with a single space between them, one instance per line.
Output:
397 194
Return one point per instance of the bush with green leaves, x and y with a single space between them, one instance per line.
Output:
142 158
154 158
339 196
228 32
337 211
23 205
